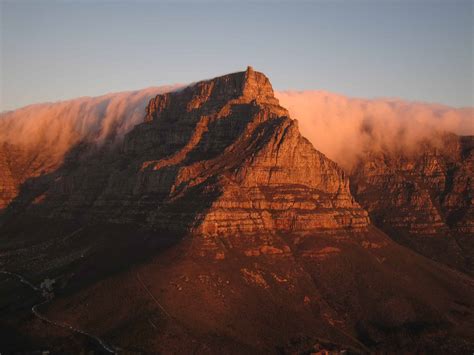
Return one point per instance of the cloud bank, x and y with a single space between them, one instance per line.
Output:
341 127
346 128
53 128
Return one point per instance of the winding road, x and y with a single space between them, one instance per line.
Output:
108 348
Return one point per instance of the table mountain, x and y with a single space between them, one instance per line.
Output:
215 227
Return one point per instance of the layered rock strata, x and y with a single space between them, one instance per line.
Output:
218 157
424 199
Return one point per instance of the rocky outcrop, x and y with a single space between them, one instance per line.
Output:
423 199
223 153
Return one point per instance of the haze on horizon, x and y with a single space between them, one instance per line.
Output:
415 50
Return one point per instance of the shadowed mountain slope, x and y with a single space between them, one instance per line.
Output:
423 200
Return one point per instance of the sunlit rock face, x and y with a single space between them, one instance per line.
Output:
9 182
221 155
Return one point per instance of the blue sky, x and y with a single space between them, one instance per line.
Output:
417 50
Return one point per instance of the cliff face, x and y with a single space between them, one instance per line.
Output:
17 165
9 184
224 151
423 200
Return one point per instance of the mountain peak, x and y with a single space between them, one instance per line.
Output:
257 86
241 87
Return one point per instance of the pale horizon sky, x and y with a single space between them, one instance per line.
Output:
414 50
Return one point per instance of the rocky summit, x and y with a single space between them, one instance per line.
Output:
215 227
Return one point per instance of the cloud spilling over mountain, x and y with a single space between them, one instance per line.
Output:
345 128
341 127
53 128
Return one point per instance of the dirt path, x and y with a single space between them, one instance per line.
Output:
151 295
